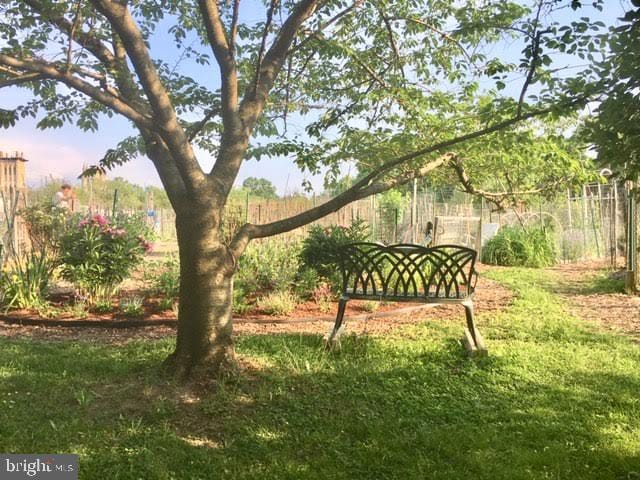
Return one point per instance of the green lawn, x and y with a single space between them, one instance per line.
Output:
555 399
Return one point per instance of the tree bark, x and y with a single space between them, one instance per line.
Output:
204 345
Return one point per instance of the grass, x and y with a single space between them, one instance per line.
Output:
555 399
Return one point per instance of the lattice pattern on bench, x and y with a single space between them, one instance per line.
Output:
409 273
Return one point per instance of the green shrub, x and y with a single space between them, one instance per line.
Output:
103 306
279 303
307 280
321 249
166 303
268 266
532 246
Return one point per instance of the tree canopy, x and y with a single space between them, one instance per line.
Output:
615 129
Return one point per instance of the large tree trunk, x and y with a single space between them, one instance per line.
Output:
204 342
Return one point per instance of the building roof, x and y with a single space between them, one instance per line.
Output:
13 156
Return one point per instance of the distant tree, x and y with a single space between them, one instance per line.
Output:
260 187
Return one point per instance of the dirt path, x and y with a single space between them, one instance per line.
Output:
588 291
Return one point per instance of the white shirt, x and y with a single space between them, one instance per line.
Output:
59 200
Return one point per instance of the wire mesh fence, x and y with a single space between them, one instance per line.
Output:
586 223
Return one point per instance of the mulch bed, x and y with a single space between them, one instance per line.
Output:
307 319
614 311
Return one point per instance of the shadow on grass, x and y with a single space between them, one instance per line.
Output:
603 282
379 409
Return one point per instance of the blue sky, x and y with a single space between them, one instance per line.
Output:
62 152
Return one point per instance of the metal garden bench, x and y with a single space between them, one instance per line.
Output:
444 274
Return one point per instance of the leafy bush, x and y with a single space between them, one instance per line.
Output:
321 249
278 303
268 266
25 283
97 254
521 247
103 306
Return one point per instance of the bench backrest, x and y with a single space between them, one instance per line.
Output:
407 272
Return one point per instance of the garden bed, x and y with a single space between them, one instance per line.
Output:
307 318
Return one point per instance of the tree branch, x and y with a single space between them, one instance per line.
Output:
444 35
164 113
535 54
324 26
254 102
72 33
263 44
501 200
392 41
352 194
234 143
223 52
108 99
87 40
195 129
233 33
20 79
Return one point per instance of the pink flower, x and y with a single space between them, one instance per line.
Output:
83 223
99 220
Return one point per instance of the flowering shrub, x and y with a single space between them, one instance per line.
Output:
98 254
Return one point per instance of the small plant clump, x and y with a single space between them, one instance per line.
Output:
132 307
278 303
26 282
370 306
103 306
532 246
323 296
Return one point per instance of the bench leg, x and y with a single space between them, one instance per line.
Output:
468 310
333 340
472 339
